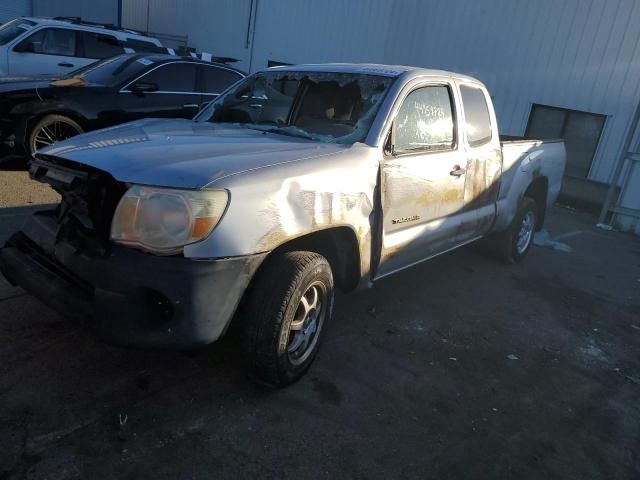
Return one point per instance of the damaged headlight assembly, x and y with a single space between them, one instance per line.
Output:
164 220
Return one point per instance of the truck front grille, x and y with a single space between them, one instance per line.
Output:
89 199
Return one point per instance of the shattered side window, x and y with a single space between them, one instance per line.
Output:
424 121
323 106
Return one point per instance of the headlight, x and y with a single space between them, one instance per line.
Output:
163 220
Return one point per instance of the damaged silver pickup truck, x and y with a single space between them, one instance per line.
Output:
296 181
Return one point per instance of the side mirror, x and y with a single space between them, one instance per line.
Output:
144 87
25 47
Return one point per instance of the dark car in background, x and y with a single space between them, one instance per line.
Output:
36 112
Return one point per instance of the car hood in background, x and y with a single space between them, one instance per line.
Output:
184 153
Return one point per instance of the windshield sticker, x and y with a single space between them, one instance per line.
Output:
144 61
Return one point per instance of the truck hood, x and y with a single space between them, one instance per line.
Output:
184 153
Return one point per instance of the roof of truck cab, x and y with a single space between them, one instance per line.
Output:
372 69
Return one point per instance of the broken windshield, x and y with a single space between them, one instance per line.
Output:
322 106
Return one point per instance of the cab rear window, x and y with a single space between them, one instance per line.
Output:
476 113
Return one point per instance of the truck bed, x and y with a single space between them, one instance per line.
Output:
544 158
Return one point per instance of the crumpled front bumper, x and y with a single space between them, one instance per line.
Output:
133 298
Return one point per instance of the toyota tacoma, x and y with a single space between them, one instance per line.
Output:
295 182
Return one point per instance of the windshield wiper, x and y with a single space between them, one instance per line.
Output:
289 131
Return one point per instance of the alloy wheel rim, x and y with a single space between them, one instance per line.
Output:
304 329
525 234
53 132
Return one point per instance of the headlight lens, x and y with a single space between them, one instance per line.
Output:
163 220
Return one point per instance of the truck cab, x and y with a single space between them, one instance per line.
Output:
440 169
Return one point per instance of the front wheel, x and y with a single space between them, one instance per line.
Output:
51 129
289 305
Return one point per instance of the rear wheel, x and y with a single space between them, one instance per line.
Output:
514 244
51 129
289 305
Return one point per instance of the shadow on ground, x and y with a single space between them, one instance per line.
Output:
13 164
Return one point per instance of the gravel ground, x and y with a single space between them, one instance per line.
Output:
17 190
458 368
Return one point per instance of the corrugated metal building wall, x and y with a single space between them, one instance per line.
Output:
10 9
97 10
219 27
575 54
105 11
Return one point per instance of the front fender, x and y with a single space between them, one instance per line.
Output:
274 205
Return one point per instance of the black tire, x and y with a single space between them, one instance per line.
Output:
59 127
274 306
506 244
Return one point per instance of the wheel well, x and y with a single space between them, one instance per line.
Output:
538 191
339 246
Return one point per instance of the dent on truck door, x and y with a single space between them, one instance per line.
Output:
423 182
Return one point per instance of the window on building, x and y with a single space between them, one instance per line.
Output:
52 41
424 121
99 45
173 77
216 80
581 132
476 113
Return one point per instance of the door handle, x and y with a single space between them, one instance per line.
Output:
191 105
457 171
66 64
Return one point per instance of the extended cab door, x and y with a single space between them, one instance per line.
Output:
484 156
423 179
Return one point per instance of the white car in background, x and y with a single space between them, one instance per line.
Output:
56 46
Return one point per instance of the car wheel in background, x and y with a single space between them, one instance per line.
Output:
51 129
